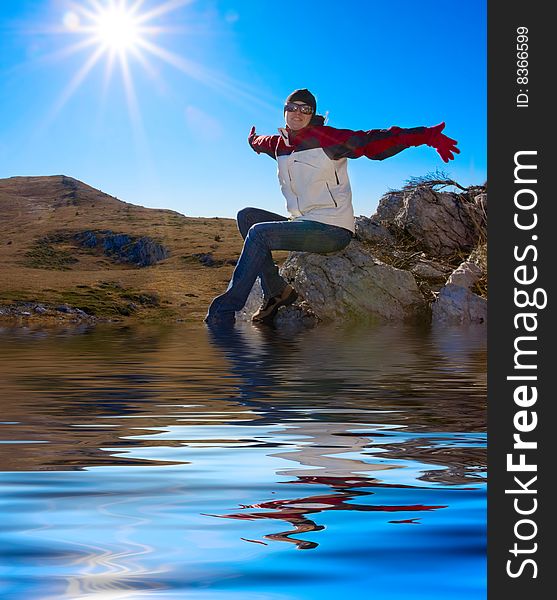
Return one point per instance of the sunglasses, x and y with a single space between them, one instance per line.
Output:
305 109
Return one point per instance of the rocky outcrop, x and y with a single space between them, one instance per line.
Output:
142 251
441 222
27 311
105 302
405 264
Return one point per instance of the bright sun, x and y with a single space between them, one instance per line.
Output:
113 25
117 28
124 34
121 32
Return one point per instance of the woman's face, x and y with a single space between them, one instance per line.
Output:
297 120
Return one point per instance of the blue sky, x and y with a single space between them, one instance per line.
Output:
175 135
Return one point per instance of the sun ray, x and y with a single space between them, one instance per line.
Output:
234 90
108 71
68 50
149 68
141 141
77 79
135 7
131 97
123 32
87 13
69 91
163 9
122 27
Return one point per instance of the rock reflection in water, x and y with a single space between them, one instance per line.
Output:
324 441
207 440
76 395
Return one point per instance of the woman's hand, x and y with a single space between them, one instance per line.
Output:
262 144
252 135
444 145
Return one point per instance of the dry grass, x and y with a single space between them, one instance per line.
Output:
479 256
34 210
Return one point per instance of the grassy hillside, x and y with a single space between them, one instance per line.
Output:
43 263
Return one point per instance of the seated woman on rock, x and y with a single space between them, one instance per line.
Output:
313 176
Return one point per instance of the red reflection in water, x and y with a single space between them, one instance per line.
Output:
296 510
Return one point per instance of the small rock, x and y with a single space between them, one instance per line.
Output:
296 316
370 231
466 275
252 304
457 305
481 202
428 269
205 259
389 206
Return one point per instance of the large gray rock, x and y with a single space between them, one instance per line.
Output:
354 284
441 222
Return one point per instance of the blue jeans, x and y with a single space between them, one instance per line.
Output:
264 231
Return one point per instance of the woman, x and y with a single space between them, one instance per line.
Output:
313 176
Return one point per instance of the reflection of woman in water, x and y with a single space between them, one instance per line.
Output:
319 461
295 511
312 171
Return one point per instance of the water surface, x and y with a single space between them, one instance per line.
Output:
177 462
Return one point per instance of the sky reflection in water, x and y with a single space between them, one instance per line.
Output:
184 463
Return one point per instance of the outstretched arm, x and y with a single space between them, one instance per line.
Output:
378 144
263 143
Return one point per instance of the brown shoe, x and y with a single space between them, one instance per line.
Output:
270 307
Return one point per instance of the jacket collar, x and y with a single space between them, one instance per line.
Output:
290 137
284 134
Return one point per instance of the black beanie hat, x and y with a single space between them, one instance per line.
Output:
304 96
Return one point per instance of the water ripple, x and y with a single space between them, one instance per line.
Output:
174 462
